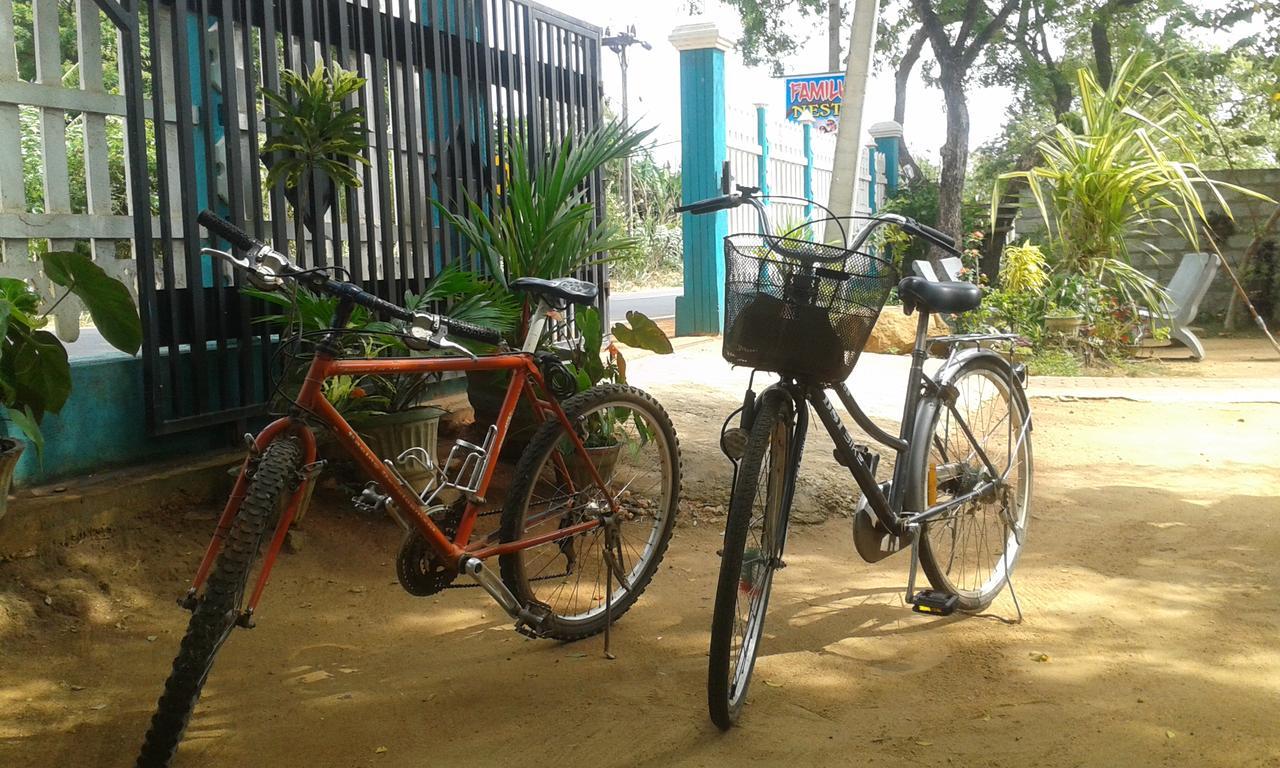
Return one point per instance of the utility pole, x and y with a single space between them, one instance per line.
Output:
619 44
844 175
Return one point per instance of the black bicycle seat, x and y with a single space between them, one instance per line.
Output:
567 289
938 296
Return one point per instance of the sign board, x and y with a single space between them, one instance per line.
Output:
819 95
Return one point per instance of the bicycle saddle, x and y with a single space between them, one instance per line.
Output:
939 296
567 289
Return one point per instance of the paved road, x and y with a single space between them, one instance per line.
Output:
657 304
91 344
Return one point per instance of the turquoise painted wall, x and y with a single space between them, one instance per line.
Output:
103 424
701 309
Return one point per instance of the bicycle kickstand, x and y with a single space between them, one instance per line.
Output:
612 562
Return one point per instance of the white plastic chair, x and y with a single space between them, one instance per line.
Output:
1186 290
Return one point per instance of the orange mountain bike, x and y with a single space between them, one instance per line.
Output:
584 526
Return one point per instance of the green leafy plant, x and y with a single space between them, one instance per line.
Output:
313 130
461 294
1127 168
544 225
35 374
592 363
1024 268
657 258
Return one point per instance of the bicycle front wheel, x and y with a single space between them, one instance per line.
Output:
632 445
753 540
272 484
970 551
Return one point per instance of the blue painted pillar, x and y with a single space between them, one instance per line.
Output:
888 136
762 136
210 124
872 203
809 165
702 134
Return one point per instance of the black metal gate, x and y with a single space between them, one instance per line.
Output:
447 81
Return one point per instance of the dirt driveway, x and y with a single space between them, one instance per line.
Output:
1149 588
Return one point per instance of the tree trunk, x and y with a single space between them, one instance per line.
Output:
901 78
955 156
1233 305
1101 39
834 62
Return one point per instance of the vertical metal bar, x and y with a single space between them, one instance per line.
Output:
396 126
346 23
271 81
170 333
467 130
184 103
409 28
231 147
370 249
439 119
307 44
422 142
331 21
251 30
140 192
594 119
377 61
533 130
208 120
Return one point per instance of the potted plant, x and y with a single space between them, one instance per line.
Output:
389 411
544 225
35 375
591 365
1062 321
315 138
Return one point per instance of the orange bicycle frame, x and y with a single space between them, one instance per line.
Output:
311 400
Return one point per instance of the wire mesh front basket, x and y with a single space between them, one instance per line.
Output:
800 308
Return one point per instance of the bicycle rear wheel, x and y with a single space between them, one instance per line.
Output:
630 440
271 486
753 541
970 551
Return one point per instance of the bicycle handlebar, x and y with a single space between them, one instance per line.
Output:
256 250
747 195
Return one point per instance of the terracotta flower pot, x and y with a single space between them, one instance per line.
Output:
10 452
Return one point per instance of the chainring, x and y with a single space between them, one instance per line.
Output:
419 570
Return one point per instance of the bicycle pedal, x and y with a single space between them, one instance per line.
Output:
934 603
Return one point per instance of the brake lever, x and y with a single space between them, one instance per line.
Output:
444 342
228 257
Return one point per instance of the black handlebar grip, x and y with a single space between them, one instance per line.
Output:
710 205
941 238
473 332
365 299
227 231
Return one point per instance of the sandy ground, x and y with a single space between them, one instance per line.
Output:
1148 587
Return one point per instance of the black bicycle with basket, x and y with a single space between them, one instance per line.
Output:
959 495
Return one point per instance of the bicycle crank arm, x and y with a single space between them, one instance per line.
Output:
527 621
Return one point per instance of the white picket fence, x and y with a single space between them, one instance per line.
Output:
786 169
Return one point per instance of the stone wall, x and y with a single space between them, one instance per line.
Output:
1248 212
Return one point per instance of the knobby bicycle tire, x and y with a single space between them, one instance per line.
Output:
215 614
529 470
